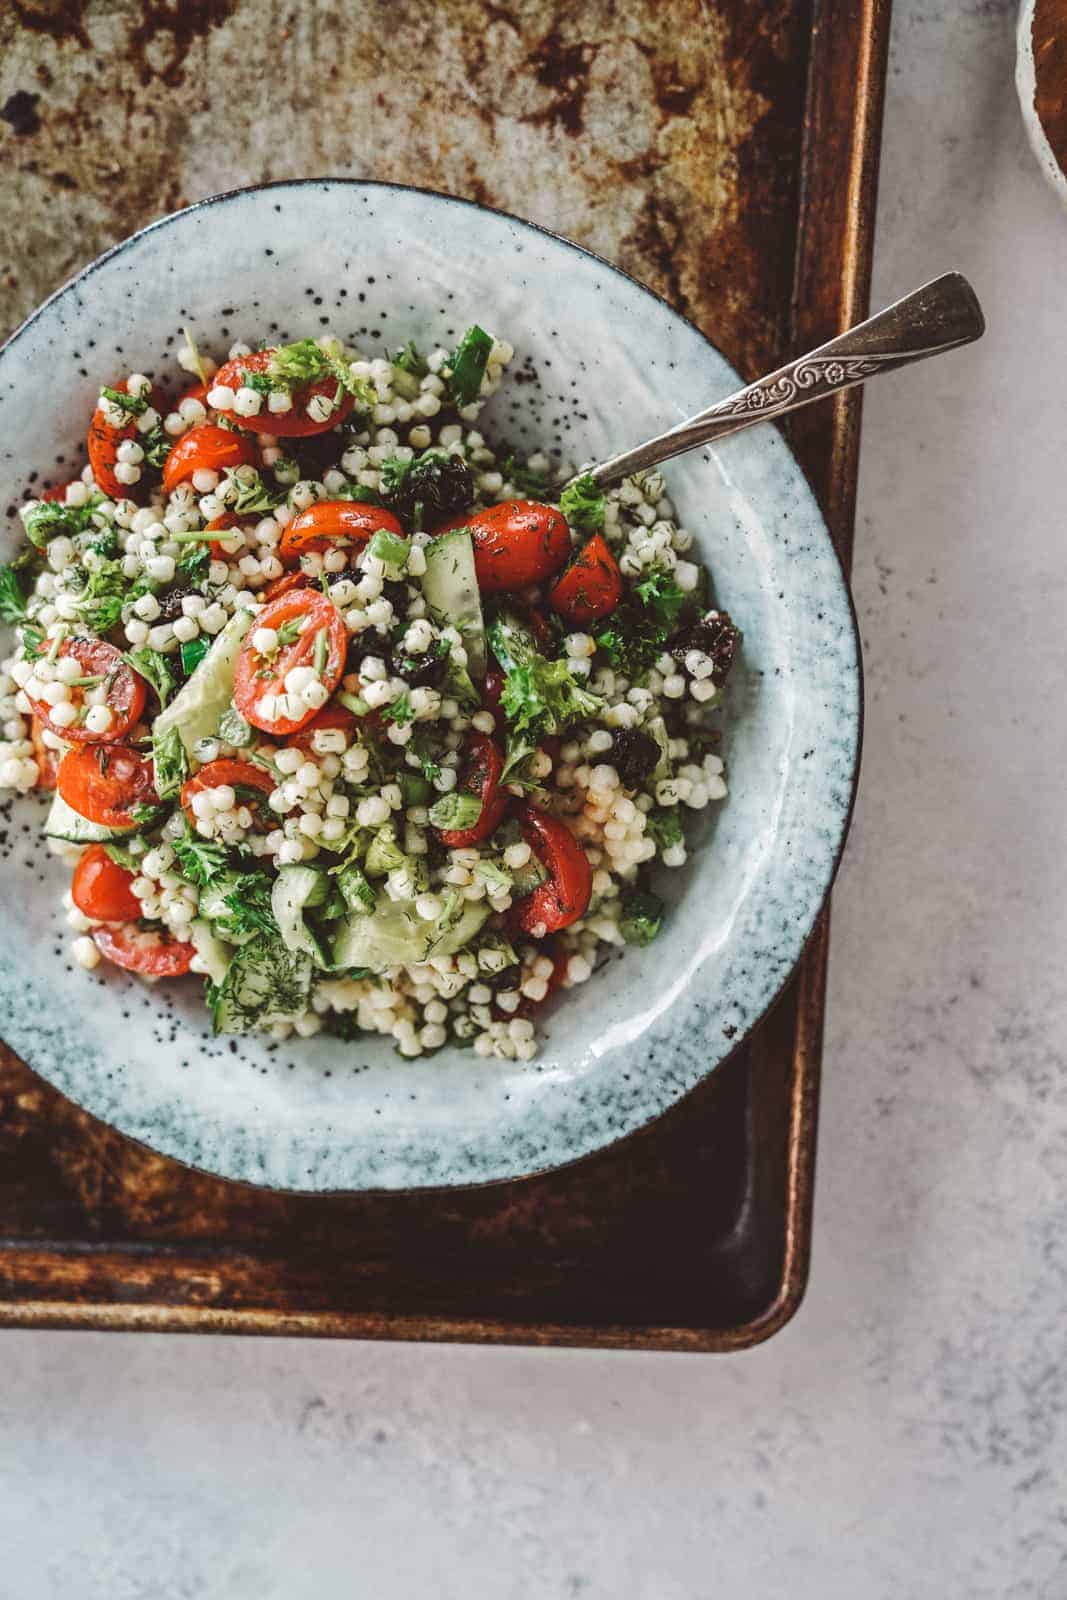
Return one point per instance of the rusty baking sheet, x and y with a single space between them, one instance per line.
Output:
725 152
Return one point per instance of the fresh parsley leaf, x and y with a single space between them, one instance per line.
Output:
249 903
12 597
170 762
32 640
294 365
399 710
582 503
134 405
408 360
259 381
664 828
251 495
421 748
543 697
194 562
640 917
106 544
468 366
47 519
456 810
631 638
155 669
660 594
157 446
145 815
199 860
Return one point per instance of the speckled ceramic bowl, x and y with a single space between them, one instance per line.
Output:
613 364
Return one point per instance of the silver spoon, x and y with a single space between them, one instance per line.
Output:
940 315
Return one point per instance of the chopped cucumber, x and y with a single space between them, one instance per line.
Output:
198 707
64 823
450 585
394 935
295 890
215 955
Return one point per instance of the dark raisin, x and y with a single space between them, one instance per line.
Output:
716 636
634 755
170 604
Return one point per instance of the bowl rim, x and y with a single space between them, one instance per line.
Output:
847 815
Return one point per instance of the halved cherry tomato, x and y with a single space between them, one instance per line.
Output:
292 580
125 691
258 676
481 776
565 894
103 446
329 717
154 955
104 782
46 758
239 775
59 493
100 888
527 1007
590 587
207 446
329 523
285 424
516 543
197 392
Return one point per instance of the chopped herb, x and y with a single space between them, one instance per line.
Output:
294 365
170 762
199 860
456 810
157 446
659 592
632 638
252 493
47 519
492 874
249 903
194 562
32 640
261 382
539 696
664 828
12 597
418 745
408 359
106 544
582 503
399 710
289 632
123 857
468 366
517 753
134 405
155 669
640 917
145 815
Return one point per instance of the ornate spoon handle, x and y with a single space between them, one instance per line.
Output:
941 315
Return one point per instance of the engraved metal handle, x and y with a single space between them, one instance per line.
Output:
941 315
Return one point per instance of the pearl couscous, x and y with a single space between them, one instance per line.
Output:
350 711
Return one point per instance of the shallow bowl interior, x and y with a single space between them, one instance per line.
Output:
601 363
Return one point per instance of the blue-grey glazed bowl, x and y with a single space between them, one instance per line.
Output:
612 364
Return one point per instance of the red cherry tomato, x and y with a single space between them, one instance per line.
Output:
516 543
292 580
239 775
104 782
527 1007
481 776
197 392
565 894
125 691
101 888
153 955
258 676
329 523
46 758
329 717
59 493
590 587
207 446
285 424
103 446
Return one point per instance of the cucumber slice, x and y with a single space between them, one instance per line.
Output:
200 704
295 889
394 935
450 585
64 823
215 955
